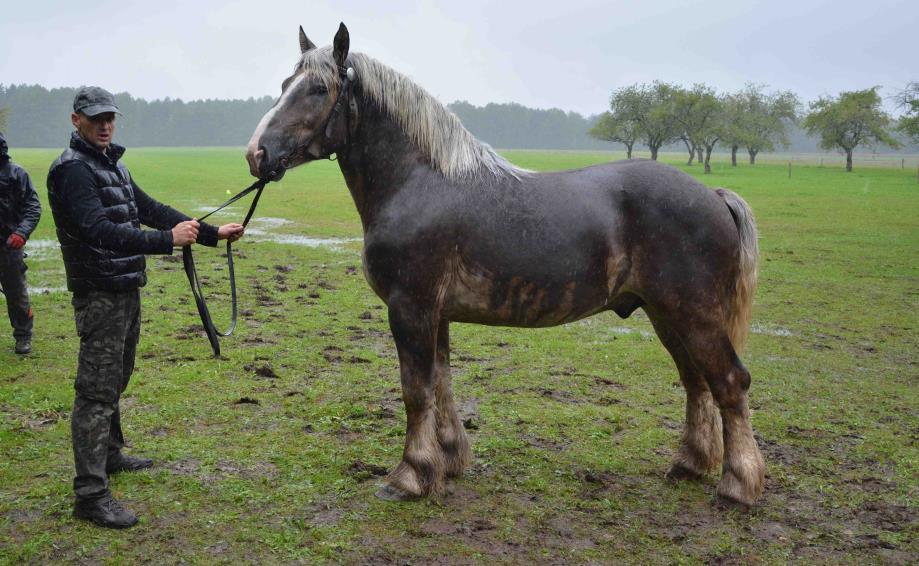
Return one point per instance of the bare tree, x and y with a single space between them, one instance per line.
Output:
852 119
616 129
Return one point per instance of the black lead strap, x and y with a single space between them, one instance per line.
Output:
209 327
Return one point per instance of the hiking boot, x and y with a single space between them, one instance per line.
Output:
119 462
23 345
105 512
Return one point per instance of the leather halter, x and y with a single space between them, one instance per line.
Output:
341 105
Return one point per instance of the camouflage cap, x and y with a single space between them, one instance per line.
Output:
93 100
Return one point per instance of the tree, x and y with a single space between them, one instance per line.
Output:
908 100
4 112
852 119
711 132
612 129
733 133
759 119
650 107
699 114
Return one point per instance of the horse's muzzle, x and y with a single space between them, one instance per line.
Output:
255 160
263 166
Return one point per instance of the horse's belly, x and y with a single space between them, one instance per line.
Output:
518 302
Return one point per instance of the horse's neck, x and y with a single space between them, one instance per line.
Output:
377 162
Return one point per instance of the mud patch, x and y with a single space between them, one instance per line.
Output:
362 471
256 471
263 370
469 414
187 467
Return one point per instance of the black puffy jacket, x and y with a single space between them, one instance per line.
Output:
98 211
19 206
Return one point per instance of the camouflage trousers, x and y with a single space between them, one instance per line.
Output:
108 323
13 282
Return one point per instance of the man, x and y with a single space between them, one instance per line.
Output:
19 214
98 210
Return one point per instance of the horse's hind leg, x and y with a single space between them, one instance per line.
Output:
710 350
701 447
450 431
421 470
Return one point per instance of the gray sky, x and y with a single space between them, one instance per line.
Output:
567 54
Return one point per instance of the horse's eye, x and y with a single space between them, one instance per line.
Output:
317 90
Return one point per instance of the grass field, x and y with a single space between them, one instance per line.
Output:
272 454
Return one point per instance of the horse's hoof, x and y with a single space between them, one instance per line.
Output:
391 493
679 472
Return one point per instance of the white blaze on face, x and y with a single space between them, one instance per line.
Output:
252 148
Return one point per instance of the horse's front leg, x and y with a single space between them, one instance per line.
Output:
421 471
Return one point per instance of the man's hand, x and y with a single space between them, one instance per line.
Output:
231 232
185 233
15 241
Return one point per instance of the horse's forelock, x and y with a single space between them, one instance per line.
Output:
318 63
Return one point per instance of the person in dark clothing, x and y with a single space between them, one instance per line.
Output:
98 212
19 214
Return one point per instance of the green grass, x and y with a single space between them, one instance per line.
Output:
574 425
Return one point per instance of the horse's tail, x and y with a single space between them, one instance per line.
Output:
740 307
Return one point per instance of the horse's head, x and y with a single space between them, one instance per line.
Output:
303 125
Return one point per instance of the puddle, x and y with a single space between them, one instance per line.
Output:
770 330
269 222
46 290
624 330
42 249
34 291
293 239
261 229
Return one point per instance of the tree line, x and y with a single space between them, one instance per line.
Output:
661 113
652 116
40 117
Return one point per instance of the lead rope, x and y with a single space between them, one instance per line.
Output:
189 262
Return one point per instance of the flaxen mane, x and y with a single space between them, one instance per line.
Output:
436 131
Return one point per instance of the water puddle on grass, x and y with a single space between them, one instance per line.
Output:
40 249
263 229
770 330
260 230
46 290
625 330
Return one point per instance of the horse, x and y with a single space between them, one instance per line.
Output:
453 232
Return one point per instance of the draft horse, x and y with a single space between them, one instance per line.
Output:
455 233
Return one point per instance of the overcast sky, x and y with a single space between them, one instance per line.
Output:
567 54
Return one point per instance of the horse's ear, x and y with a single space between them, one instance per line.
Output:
340 45
305 43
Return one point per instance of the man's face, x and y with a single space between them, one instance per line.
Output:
96 130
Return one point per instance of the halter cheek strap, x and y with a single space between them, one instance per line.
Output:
344 104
